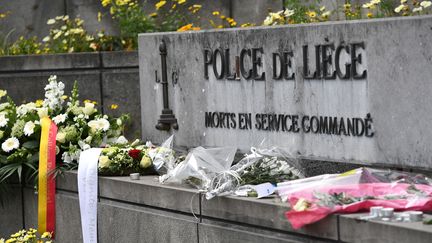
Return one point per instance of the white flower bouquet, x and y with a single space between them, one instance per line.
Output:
80 126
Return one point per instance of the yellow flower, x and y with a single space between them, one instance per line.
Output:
322 8
160 4
145 162
114 106
246 25
216 13
3 93
301 205
233 24
185 28
57 35
220 27
64 97
369 15
311 14
46 235
399 8
326 14
39 103
153 15
222 17
106 2
174 6
99 17
122 2
181 1
51 21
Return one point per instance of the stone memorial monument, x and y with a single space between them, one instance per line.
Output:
355 92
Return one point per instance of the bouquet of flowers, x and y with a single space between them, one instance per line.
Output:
260 166
314 198
123 159
29 236
80 126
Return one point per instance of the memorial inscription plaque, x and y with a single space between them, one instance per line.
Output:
356 92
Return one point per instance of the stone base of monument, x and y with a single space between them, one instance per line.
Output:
146 211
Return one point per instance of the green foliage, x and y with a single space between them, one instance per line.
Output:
301 9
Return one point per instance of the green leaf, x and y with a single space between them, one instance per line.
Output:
34 158
31 144
3 159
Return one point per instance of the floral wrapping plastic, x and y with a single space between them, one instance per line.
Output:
312 199
200 167
163 157
260 165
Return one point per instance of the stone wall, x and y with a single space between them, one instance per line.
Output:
146 211
107 78
376 75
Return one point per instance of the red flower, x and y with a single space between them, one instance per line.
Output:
135 153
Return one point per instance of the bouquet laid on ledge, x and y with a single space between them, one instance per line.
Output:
211 170
80 126
314 198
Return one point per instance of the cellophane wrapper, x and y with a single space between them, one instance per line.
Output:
265 159
312 199
163 156
200 167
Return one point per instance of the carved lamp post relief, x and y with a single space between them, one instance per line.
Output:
167 118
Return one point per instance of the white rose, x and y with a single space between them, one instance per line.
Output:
61 137
89 108
104 161
121 140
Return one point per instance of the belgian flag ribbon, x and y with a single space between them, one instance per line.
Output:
47 163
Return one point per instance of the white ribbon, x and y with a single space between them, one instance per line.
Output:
87 193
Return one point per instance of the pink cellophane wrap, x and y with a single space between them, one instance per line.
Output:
377 190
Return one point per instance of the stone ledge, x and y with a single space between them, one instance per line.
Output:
119 59
147 192
353 229
244 217
267 213
49 62
64 61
